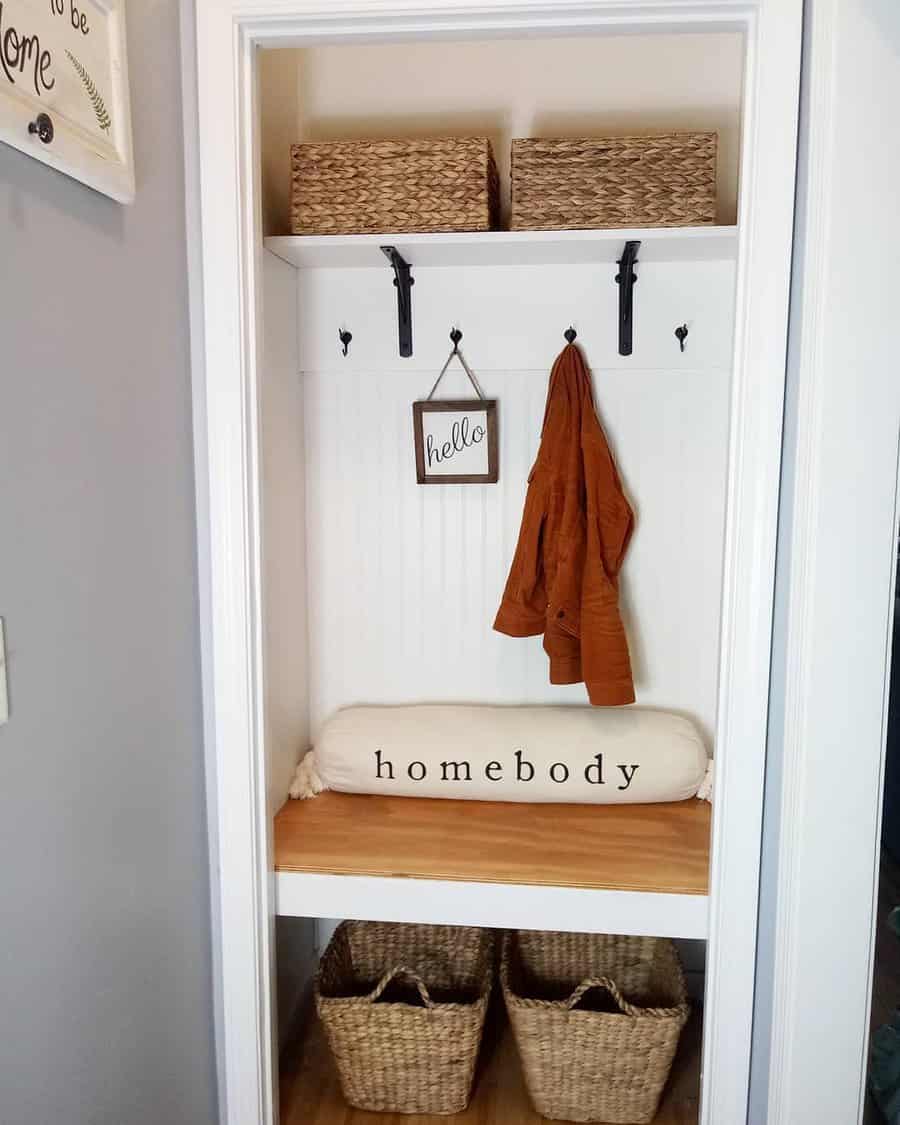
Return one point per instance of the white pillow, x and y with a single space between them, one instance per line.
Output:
582 755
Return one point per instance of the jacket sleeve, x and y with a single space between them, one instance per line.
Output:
523 608
616 523
606 665
615 519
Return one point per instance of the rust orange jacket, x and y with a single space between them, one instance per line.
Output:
575 530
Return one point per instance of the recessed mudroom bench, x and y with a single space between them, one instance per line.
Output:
643 868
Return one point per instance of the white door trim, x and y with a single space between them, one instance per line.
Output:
836 579
227 34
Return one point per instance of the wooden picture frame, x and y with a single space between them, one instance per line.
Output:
64 96
455 439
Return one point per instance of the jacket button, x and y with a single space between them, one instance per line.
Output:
561 615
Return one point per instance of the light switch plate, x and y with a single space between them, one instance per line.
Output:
4 694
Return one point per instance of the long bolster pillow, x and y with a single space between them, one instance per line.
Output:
581 755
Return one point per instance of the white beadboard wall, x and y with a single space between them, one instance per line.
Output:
403 580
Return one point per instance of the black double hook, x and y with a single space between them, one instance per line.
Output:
345 337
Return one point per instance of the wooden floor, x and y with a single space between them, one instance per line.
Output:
310 1093
652 848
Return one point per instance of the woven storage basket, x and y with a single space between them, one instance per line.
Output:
665 181
403 1008
378 187
596 1019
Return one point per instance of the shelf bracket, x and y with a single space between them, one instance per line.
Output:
625 280
403 280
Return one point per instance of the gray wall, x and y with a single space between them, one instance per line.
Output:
105 990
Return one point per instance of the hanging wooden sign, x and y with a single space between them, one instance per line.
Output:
64 89
456 439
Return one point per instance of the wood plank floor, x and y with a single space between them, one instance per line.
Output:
652 848
310 1093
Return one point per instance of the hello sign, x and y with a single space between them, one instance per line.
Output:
64 89
456 439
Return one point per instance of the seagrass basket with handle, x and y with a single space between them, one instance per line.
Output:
403 1009
661 181
596 1019
384 187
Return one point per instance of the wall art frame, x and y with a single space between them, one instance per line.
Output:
64 96
433 449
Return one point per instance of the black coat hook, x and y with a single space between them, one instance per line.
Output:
681 335
455 336
345 337
570 334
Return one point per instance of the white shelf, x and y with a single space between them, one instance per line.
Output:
506 248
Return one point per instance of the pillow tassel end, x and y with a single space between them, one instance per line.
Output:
705 792
307 782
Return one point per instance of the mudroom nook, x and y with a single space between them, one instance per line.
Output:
350 599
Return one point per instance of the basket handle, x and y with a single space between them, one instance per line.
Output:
403 973
621 1003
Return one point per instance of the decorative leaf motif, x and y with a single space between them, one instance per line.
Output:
100 112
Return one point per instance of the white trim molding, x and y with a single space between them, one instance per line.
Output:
765 220
836 581
226 278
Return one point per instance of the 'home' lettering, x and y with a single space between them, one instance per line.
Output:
17 51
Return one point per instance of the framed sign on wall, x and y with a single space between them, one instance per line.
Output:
64 89
456 441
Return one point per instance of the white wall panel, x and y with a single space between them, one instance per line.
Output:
404 580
